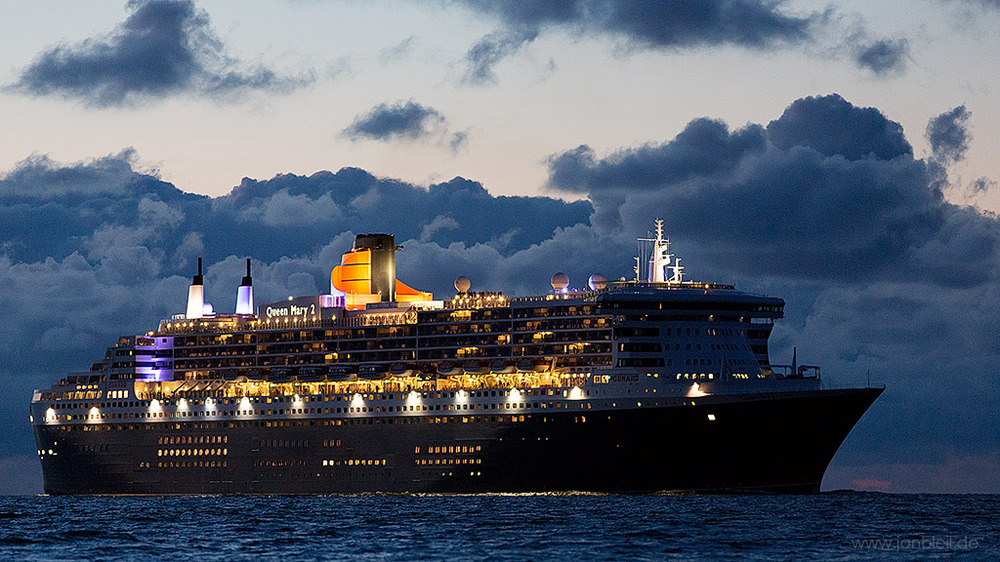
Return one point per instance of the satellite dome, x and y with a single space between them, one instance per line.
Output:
462 284
560 281
207 308
597 282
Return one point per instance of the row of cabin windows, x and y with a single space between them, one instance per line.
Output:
188 464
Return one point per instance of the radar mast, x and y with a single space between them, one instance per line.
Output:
660 259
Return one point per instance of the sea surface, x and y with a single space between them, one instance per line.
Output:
829 526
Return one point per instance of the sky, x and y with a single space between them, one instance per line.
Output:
840 155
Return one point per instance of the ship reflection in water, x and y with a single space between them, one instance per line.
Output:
645 385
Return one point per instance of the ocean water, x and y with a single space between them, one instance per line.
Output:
830 526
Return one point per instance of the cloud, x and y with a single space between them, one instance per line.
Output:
163 48
458 141
399 51
982 185
671 25
282 209
663 24
882 56
948 135
403 120
440 222
489 51
832 126
677 23
668 24
38 177
829 191
703 147
48 209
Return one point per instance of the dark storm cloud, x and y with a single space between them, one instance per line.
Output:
302 211
38 177
830 125
104 207
948 135
164 47
836 194
883 56
662 24
402 120
659 24
703 147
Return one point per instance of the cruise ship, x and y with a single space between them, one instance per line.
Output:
648 384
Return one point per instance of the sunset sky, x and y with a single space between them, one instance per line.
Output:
841 155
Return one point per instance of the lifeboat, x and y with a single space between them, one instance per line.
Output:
532 365
401 370
448 368
501 367
341 373
312 374
283 374
372 372
475 368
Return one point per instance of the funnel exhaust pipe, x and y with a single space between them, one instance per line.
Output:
196 296
244 296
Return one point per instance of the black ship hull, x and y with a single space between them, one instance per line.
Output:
777 442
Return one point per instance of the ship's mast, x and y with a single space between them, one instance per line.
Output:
660 259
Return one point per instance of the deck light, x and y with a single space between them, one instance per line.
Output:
695 391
